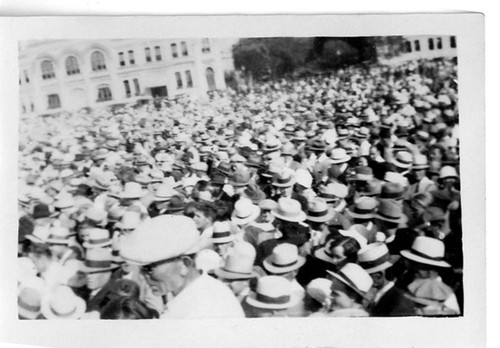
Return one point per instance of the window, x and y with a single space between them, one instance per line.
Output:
103 94
453 42
439 43
431 44
178 79
72 67
121 58
189 80
184 48
127 88
417 45
210 79
174 50
158 53
47 70
137 87
97 61
205 46
26 77
147 52
131 58
407 46
54 101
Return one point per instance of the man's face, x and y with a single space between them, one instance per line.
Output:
58 249
266 216
419 173
167 277
97 280
202 221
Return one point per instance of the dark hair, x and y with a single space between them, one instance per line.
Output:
126 288
206 208
350 245
127 308
40 249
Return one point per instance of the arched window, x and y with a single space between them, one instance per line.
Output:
47 70
72 67
210 79
98 62
104 94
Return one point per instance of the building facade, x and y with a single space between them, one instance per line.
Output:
67 75
420 47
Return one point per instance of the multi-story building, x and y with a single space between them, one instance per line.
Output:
419 47
58 75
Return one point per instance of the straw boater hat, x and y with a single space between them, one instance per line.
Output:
429 292
319 289
98 260
222 232
132 190
59 235
29 302
164 193
427 250
392 190
420 162
319 211
355 277
339 156
284 258
391 211
244 211
273 292
239 263
271 145
98 238
240 178
283 179
375 258
289 209
364 208
62 303
333 191
357 232
447 172
403 159
363 173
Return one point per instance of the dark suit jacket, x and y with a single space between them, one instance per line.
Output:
97 302
393 304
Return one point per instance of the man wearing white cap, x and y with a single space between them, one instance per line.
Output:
165 247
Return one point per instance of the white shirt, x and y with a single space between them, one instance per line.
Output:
205 297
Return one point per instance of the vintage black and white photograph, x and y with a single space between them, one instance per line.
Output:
247 177
281 176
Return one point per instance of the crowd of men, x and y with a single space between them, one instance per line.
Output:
331 195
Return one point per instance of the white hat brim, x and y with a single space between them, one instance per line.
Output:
401 165
280 270
410 256
80 307
340 160
359 216
401 220
321 254
251 299
225 274
324 218
301 217
87 245
336 276
379 268
27 314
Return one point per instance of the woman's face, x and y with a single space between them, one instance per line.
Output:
338 257
202 221
340 299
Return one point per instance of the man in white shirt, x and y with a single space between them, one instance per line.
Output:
165 247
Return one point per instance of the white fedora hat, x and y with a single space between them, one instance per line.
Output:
319 211
426 250
98 238
355 277
222 232
62 303
338 156
132 190
374 257
273 292
239 263
244 211
284 258
29 302
403 159
289 209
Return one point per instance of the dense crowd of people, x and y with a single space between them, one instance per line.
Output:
331 195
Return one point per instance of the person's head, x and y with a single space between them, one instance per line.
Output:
342 250
349 286
204 215
127 308
165 247
41 256
96 280
343 296
266 206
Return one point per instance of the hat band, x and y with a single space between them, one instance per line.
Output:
64 315
28 307
282 181
243 216
391 195
370 264
115 252
221 234
284 265
362 211
328 195
388 216
418 253
317 213
347 280
403 161
98 264
272 300
236 272
98 241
